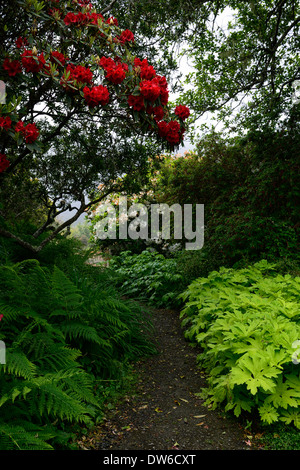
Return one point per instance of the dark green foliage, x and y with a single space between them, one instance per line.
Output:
149 276
67 337
251 195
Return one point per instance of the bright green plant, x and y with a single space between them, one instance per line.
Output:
247 323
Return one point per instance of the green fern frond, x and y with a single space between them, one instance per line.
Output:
18 364
67 293
24 437
51 400
88 333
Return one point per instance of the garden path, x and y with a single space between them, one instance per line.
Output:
163 411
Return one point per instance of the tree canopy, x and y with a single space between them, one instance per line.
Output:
244 72
82 108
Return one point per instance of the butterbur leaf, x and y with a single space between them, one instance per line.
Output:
291 416
254 372
268 413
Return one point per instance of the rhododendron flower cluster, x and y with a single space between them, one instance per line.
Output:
157 111
137 84
126 36
4 163
182 111
170 131
150 89
29 132
82 18
95 96
76 75
21 42
5 123
137 102
32 62
58 58
115 71
145 70
12 67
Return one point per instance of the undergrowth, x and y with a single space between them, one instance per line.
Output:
69 340
247 323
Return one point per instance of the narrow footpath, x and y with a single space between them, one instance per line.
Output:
164 413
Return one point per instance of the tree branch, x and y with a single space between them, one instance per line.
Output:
105 10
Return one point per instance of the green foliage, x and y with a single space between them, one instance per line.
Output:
247 323
66 341
149 276
250 191
244 70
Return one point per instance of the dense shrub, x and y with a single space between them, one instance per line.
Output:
149 276
250 190
247 323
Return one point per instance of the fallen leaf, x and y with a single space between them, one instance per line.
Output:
200 424
158 410
199 416
183 400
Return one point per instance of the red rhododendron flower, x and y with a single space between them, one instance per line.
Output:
58 57
162 128
4 164
21 42
182 111
112 20
32 62
170 131
150 89
107 63
12 67
137 102
126 36
164 97
173 134
81 74
19 126
157 111
29 132
162 82
94 17
146 71
5 122
76 18
116 74
76 75
1 316
97 95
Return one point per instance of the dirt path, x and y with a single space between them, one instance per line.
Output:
164 413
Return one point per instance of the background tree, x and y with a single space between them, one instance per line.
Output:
81 107
244 74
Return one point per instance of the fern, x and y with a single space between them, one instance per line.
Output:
26 437
55 330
